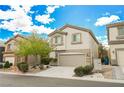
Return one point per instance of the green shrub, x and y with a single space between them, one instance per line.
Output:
10 64
54 60
81 71
23 67
7 64
1 66
87 69
46 61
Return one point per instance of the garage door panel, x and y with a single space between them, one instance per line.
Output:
120 57
72 60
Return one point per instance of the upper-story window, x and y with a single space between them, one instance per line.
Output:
121 30
57 40
10 46
76 38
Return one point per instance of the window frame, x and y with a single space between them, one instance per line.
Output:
55 41
119 30
76 42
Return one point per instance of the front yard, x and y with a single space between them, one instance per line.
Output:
107 72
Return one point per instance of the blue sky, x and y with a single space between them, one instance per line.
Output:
45 19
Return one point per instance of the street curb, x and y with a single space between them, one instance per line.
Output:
72 78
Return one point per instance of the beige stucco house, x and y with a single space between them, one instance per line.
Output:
9 53
116 42
73 46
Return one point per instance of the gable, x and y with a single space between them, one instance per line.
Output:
60 30
17 37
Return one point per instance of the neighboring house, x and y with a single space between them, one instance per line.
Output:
9 54
116 42
2 47
73 46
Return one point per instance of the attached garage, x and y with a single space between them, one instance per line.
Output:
120 57
71 59
10 59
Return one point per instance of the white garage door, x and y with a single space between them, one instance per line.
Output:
10 59
120 57
72 59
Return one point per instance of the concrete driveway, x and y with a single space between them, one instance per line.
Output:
59 71
66 72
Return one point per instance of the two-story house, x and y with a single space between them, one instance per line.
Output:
73 46
116 42
9 53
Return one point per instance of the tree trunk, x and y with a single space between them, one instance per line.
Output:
26 59
36 58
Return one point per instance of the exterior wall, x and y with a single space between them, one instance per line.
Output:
67 40
88 45
32 60
60 47
115 42
10 53
84 39
113 33
12 41
94 47
113 52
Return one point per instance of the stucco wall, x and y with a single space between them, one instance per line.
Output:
67 39
112 49
113 33
13 41
61 47
84 39
93 47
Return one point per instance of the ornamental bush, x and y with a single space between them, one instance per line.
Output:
81 71
87 69
10 64
7 64
23 67
46 61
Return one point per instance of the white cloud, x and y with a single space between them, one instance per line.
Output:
103 40
19 21
51 9
4 39
106 20
42 29
22 22
45 19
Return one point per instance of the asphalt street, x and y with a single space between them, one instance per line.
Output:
7 80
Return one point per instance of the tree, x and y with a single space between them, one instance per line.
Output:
23 48
33 45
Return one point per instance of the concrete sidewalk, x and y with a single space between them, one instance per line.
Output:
118 72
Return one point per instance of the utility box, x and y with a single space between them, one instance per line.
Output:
97 64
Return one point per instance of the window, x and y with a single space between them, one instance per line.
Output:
76 38
58 40
121 30
10 46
